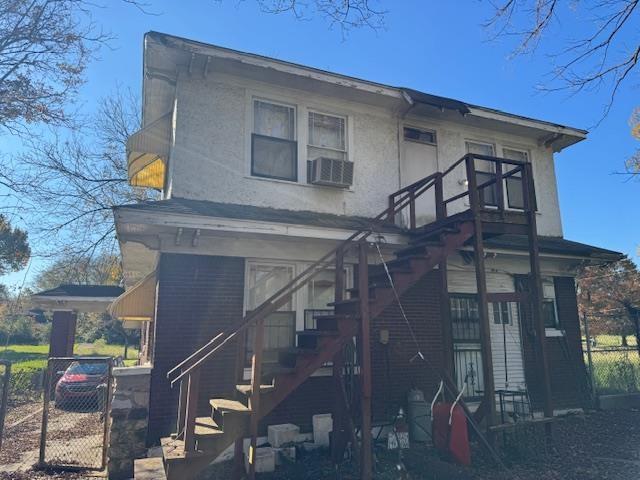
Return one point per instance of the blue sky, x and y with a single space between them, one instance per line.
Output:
437 47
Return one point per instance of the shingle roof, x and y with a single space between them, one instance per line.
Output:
94 291
206 208
555 245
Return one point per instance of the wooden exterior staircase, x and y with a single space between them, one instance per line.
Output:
199 440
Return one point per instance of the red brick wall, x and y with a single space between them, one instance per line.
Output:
393 374
197 297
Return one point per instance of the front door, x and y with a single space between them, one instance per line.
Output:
419 160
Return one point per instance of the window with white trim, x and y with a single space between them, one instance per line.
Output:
549 305
327 136
485 171
274 150
514 189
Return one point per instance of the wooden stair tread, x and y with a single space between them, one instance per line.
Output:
207 427
246 389
227 405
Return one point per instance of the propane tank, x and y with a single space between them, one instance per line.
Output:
419 416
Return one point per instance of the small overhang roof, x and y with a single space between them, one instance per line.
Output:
163 53
80 298
553 245
138 303
204 208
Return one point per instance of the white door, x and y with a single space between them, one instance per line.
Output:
419 160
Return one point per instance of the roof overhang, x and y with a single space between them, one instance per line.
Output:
167 55
137 304
76 304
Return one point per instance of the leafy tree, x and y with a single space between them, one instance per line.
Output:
611 295
14 247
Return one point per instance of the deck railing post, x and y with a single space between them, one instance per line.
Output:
365 340
441 207
391 215
254 402
412 209
472 183
499 186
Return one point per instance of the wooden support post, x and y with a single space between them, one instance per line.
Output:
182 408
365 334
191 411
535 288
337 440
483 304
238 460
254 403
445 319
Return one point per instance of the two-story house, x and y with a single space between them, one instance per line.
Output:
455 266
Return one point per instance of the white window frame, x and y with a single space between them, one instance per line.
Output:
252 128
422 129
527 152
552 331
346 133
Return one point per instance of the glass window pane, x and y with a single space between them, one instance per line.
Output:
264 281
274 158
273 120
327 131
518 155
549 314
418 135
515 194
321 290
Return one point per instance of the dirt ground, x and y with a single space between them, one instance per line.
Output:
597 445
594 446
73 437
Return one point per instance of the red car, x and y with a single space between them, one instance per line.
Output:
82 385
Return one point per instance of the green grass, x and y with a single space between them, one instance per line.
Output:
616 372
29 357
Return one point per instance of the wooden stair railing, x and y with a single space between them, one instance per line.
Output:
187 372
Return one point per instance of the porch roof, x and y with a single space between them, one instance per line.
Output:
81 298
553 245
204 208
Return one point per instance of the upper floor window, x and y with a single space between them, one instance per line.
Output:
485 171
327 136
274 150
419 135
515 190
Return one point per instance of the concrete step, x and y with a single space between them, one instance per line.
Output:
149 469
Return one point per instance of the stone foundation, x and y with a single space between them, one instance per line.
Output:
129 420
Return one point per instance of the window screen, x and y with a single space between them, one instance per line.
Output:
327 136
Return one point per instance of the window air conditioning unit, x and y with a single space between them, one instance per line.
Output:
331 172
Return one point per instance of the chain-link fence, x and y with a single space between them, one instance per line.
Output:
75 418
612 353
21 401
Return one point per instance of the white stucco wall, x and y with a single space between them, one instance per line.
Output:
211 156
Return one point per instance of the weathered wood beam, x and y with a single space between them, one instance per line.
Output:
366 465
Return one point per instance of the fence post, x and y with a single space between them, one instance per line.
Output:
592 377
5 396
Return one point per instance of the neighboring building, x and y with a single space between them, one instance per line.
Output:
265 166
